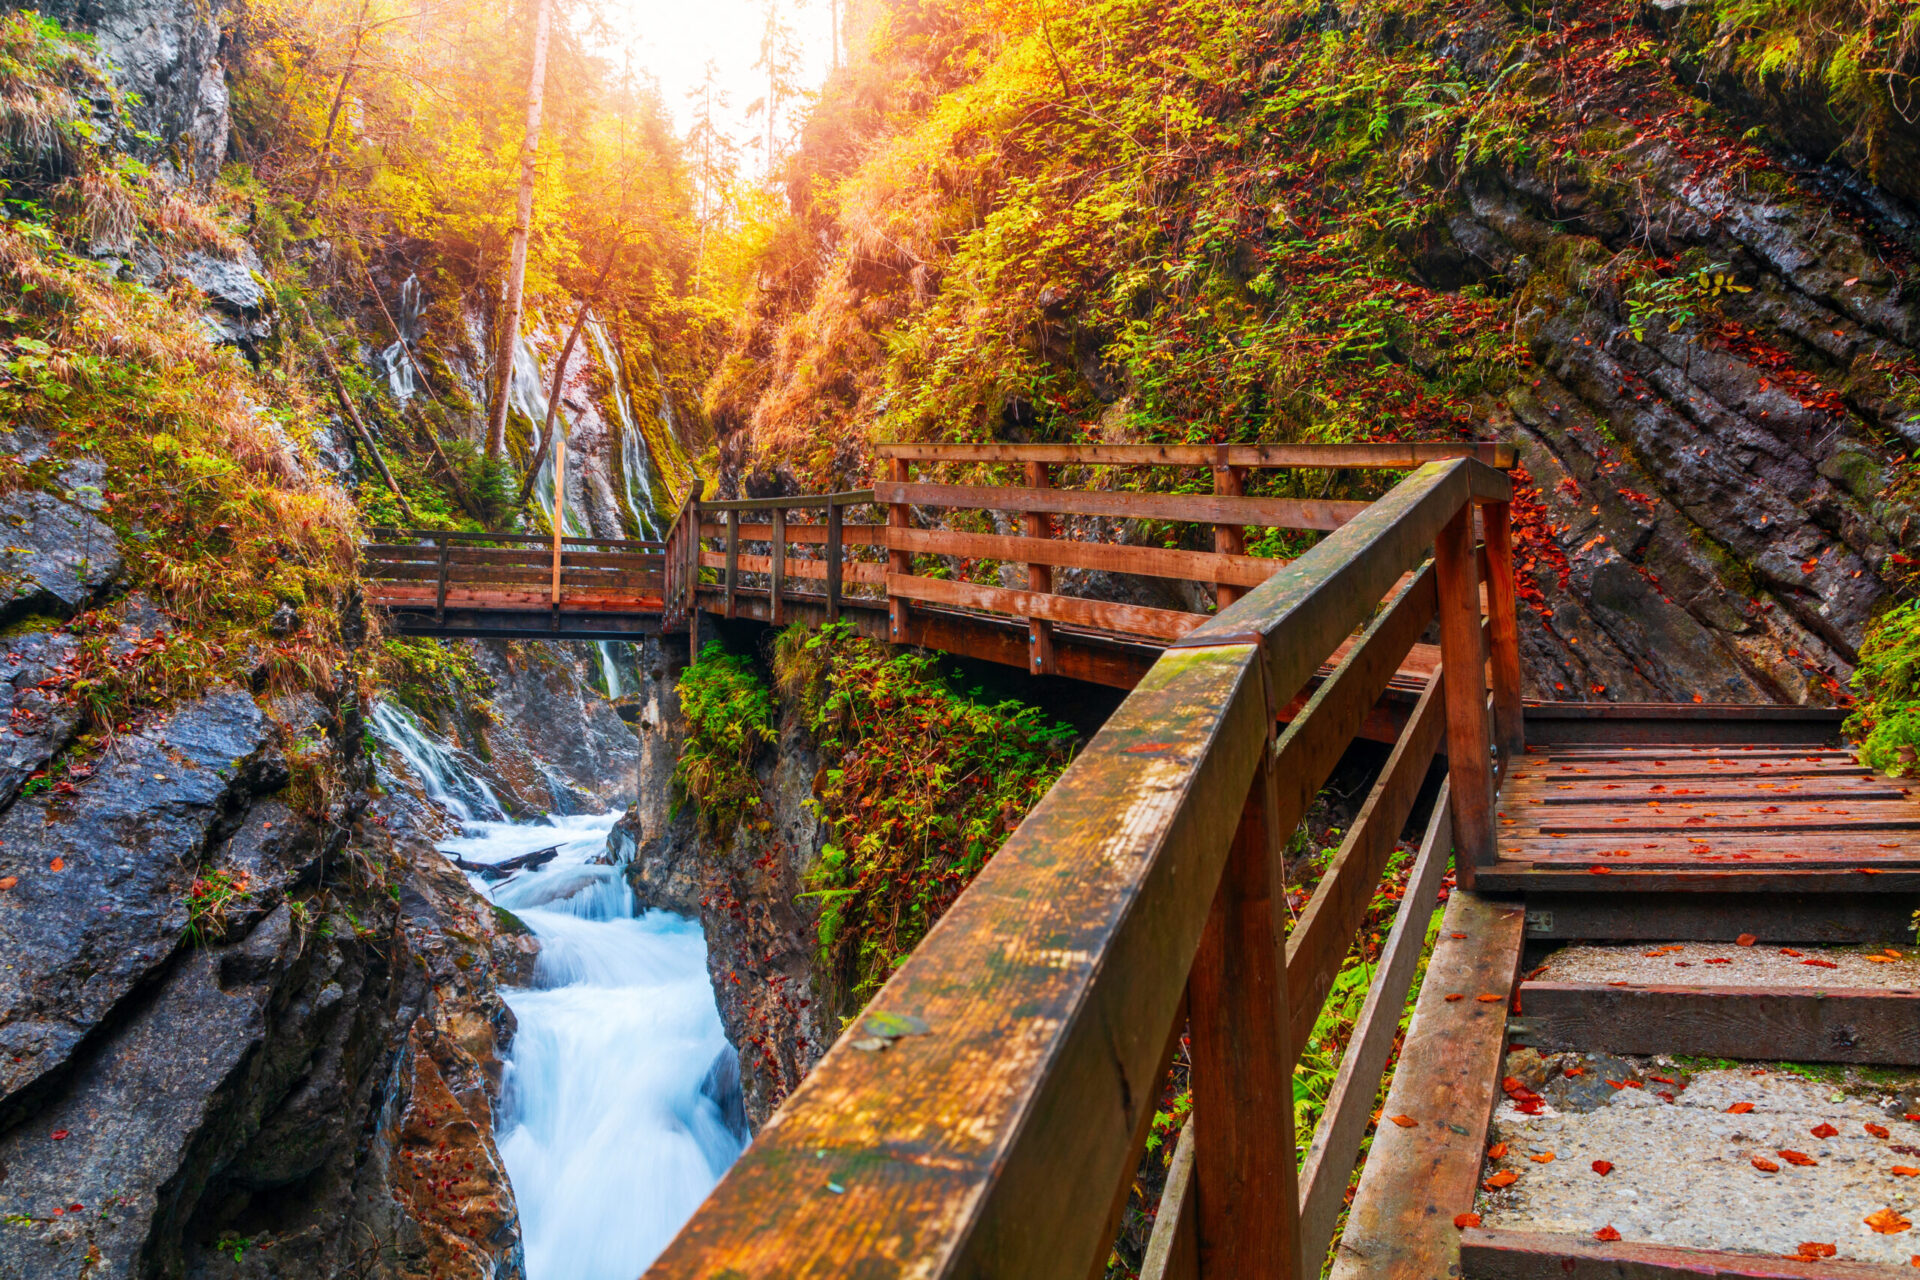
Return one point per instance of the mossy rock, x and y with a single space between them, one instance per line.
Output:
509 923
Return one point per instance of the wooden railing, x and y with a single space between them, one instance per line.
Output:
774 549
986 1114
416 569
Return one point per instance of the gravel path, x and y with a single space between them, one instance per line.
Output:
1762 965
1683 1171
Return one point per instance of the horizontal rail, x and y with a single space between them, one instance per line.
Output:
1156 562
797 502
1129 619
430 536
868 574
1394 455
851 535
1197 508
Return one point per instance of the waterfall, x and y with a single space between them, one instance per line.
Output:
615 1118
447 782
635 466
398 363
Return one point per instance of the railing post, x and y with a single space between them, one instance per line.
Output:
1245 1181
1502 613
1039 578
1228 539
834 516
1463 663
440 591
898 517
779 565
559 508
692 571
733 557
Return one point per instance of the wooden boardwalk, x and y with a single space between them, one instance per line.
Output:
986 1114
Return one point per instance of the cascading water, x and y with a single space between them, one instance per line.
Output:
396 358
614 1120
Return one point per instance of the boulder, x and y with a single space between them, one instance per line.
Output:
55 557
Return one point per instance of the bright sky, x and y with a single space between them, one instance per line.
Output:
673 39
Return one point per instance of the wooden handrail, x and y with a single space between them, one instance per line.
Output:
1389 455
986 1113
797 502
1198 508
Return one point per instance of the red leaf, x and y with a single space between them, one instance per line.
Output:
1607 1234
1602 1167
58 1135
1465 1220
1739 1108
1765 1165
1455 996
1405 1122
1504 1178
1877 1130
1821 964
1496 1151
1745 940
1886 1222
1798 1159
1824 1131
1814 1249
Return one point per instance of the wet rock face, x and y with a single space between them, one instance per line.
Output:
55 557
555 740
168 52
762 946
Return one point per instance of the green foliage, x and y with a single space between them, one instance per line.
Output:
729 713
433 676
208 901
920 787
1887 718
1675 301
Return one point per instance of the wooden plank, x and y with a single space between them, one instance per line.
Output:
1197 508
1833 1024
483 598
1392 454
1737 788
1228 539
978 1146
1336 1141
1153 562
1039 528
1464 666
792 502
813 535
1526 1255
1660 723
1721 917
1521 877
1243 1165
401 537
816 570
1417 1178
899 516
836 540
1504 628
733 561
1173 1250
1128 619
1324 933
776 568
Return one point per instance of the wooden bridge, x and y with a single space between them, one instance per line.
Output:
986 1114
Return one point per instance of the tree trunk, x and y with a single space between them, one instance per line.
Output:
523 220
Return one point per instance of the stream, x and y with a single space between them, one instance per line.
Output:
613 1120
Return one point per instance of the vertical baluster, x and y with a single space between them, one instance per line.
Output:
1228 539
559 509
692 570
1508 720
733 558
1039 578
440 591
779 566
1463 675
898 517
835 512
1244 1163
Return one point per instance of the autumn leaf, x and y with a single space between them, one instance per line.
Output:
1798 1159
1765 1165
1456 935
1602 1167
1497 1151
1504 1178
1789 951
1455 996
1489 998
1545 1157
58 864
1745 940
1405 1122
1739 1108
58 1135
1877 1130
1886 1222
1575 1071
1821 964
1607 1234
1812 1249
1824 1131
1905 1171
1465 1220
7 882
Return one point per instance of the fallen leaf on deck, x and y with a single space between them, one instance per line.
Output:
1465 1220
1765 1165
1905 1171
1504 1178
1739 1108
1599 871
58 864
1602 1167
1663 1079
1886 1222
1718 960
1489 998
1456 935
7 882
1545 1157
1824 1131
1745 940
1814 1249
1496 1151
1455 996
1798 1159
1821 964
1877 1130
1405 1122
1879 959
1789 951
1607 1234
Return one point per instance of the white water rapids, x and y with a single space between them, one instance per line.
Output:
611 1120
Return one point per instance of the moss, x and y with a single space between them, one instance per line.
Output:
509 923
1887 718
